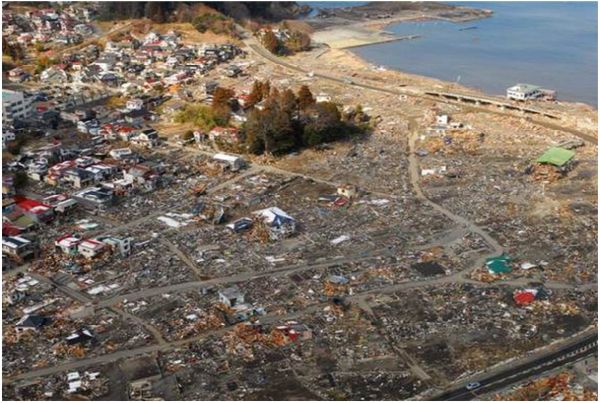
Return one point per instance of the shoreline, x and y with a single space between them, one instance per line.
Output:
366 32
450 84
459 87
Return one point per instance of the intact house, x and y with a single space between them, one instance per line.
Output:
37 211
147 138
95 197
143 175
122 245
523 92
68 244
122 154
134 104
78 178
17 247
72 245
231 162
91 248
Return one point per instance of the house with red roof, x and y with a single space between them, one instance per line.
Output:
67 244
39 212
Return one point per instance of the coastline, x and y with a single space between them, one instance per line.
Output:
374 31
346 63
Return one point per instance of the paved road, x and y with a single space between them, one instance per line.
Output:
258 49
569 352
166 346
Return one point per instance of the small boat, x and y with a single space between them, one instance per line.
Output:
467 28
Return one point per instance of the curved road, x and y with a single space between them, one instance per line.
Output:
167 346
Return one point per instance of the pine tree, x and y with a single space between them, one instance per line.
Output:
271 43
288 102
255 95
305 98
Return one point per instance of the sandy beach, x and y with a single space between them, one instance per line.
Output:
345 63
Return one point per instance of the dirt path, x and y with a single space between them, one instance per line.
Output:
414 180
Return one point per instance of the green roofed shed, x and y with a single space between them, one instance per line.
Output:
499 264
556 156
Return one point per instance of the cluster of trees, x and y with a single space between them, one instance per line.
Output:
14 50
157 11
277 121
163 11
295 42
43 62
287 121
216 23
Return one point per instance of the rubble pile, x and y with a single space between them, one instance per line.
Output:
487 318
555 387
61 338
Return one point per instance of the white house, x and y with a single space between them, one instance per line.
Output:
134 104
91 248
442 119
15 105
231 296
233 162
522 92
322 97
279 223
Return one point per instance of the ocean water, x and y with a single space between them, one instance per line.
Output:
552 44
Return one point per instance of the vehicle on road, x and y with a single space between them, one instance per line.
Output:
473 385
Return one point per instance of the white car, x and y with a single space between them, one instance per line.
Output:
473 385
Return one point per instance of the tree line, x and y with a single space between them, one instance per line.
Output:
279 122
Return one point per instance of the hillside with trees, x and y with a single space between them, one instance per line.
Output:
173 11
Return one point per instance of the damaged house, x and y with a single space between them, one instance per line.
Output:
278 222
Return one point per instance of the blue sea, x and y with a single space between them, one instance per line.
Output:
552 44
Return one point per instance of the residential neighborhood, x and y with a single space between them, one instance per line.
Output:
200 201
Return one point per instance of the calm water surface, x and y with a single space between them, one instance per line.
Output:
552 44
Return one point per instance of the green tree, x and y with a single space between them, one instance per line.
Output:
21 179
298 41
266 89
155 11
323 125
201 116
288 101
43 62
270 129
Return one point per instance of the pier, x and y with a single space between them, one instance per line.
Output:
382 40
